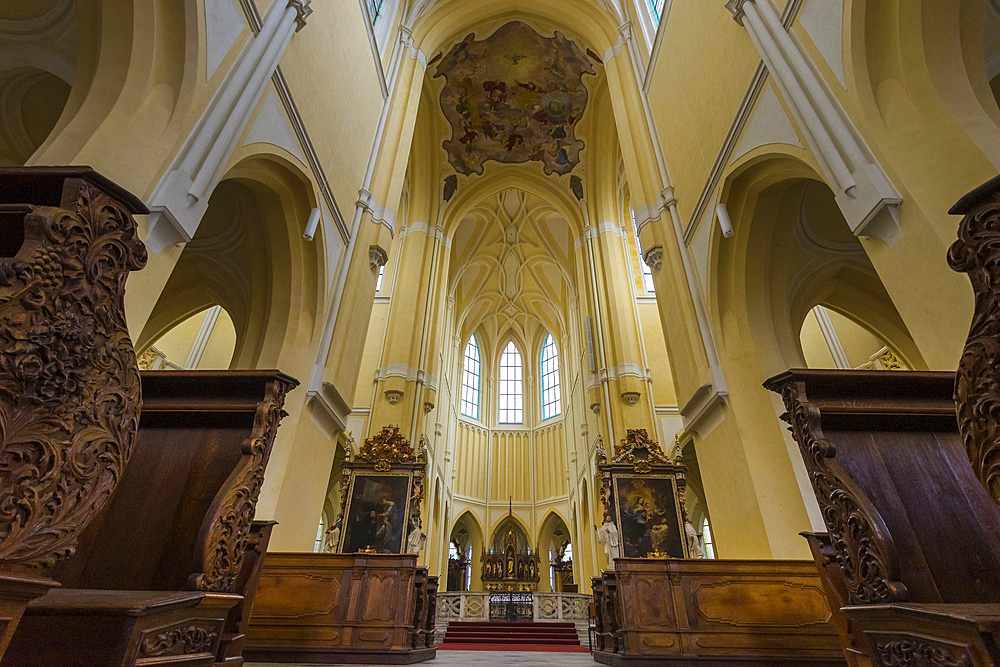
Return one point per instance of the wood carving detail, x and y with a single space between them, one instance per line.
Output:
909 653
69 383
386 447
977 385
219 564
863 545
179 641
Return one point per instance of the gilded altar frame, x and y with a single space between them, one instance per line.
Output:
642 490
384 469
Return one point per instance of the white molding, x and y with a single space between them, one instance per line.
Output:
370 29
832 339
624 369
299 127
381 215
409 374
754 90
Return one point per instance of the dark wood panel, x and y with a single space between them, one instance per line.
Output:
342 608
704 612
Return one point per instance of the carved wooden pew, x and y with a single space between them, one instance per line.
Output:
914 529
157 569
69 384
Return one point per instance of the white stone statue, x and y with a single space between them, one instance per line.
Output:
608 536
416 539
332 542
695 549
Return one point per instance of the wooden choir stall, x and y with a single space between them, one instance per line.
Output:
659 606
370 602
136 526
906 469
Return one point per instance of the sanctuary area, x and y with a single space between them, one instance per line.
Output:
648 332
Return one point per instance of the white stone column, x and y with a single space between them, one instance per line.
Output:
181 198
867 199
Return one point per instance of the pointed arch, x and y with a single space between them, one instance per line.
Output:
510 389
472 372
551 398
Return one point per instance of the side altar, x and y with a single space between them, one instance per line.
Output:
369 602
656 605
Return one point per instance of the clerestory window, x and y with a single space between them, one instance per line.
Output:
470 379
551 403
511 394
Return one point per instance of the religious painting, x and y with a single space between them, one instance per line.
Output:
515 96
649 516
376 513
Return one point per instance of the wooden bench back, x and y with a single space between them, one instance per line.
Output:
181 514
908 518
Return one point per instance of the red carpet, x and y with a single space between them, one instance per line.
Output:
476 636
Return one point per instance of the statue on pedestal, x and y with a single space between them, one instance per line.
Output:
417 538
607 535
694 541
332 542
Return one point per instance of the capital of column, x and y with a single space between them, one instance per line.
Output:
302 12
654 257
736 8
376 257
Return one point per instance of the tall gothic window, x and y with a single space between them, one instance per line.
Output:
647 273
706 533
381 277
511 392
551 405
374 9
657 7
470 379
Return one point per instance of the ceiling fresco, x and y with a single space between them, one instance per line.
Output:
513 97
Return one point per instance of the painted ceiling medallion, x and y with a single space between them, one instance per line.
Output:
513 97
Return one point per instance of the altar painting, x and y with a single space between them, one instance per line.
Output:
376 513
649 516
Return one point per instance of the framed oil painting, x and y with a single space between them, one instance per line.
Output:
376 512
649 516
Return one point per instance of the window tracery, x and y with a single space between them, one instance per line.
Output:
551 398
471 374
511 393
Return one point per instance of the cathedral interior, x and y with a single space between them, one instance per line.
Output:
636 321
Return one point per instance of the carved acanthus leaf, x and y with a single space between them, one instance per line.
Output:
977 385
179 641
234 509
386 447
910 653
864 548
69 383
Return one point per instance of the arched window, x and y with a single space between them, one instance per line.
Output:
320 535
647 273
511 392
551 405
706 534
470 379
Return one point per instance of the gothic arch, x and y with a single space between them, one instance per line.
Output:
249 256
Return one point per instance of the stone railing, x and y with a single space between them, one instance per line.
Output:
475 606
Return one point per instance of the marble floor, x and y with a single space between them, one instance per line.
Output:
492 658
